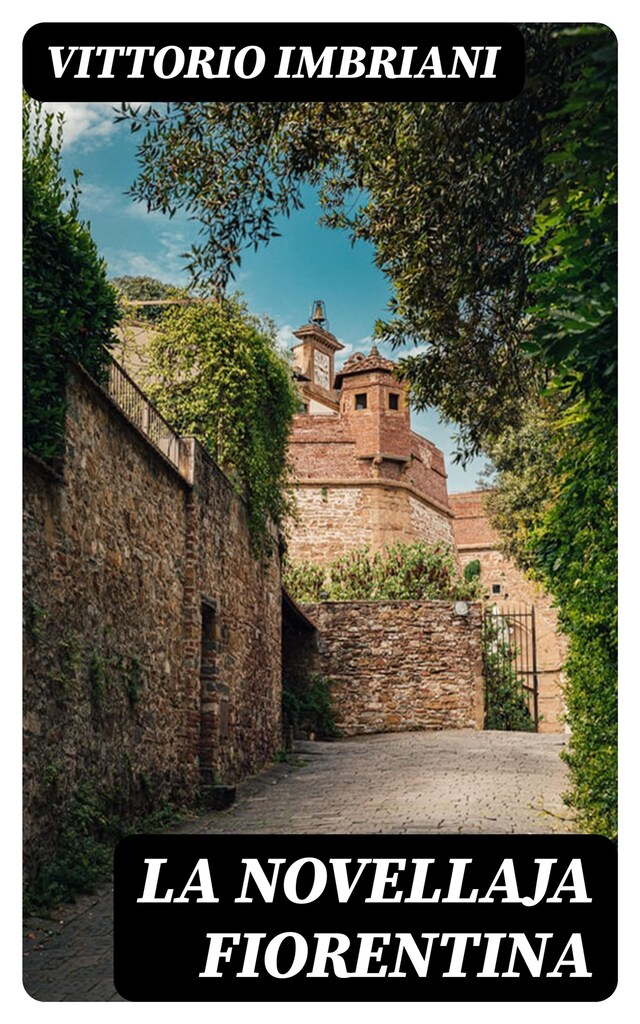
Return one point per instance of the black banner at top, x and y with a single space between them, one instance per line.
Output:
213 61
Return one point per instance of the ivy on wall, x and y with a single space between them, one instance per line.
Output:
574 552
215 373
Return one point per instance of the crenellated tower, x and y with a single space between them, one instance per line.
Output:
374 401
362 475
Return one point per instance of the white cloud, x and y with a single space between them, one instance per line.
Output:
284 337
362 345
86 125
104 199
343 355
413 350
384 348
165 265
96 199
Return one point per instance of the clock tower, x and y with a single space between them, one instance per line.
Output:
313 359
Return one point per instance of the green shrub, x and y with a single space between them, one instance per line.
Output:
85 848
85 852
134 289
306 706
216 374
352 576
415 572
69 307
305 581
472 570
574 552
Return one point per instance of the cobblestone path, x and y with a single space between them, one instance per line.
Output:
428 782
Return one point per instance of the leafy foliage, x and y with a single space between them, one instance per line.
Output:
414 572
85 850
472 570
558 509
134 289
306 706
214 372
506 707
523 480
555 505
445 193
573 550
69 307
573 243
85 853
305 581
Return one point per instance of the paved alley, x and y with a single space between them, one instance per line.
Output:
422 782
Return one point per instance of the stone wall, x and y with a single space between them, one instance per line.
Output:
426 526
243 693
400 665
337 516
152 640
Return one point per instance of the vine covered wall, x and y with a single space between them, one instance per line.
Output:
152 632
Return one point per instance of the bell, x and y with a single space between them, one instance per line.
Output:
319 315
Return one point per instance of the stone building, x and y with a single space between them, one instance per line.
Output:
362 476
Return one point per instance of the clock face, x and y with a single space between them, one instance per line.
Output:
321 368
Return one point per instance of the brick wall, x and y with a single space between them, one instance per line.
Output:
364 477
122 559
400 665
324 448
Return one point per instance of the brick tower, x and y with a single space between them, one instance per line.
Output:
374 402
362 475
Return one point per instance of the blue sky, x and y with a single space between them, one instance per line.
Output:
307 262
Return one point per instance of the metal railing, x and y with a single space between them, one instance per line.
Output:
136 406
510 649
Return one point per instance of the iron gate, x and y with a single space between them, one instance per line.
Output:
510 668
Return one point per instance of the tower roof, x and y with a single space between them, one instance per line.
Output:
359 363
315 332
